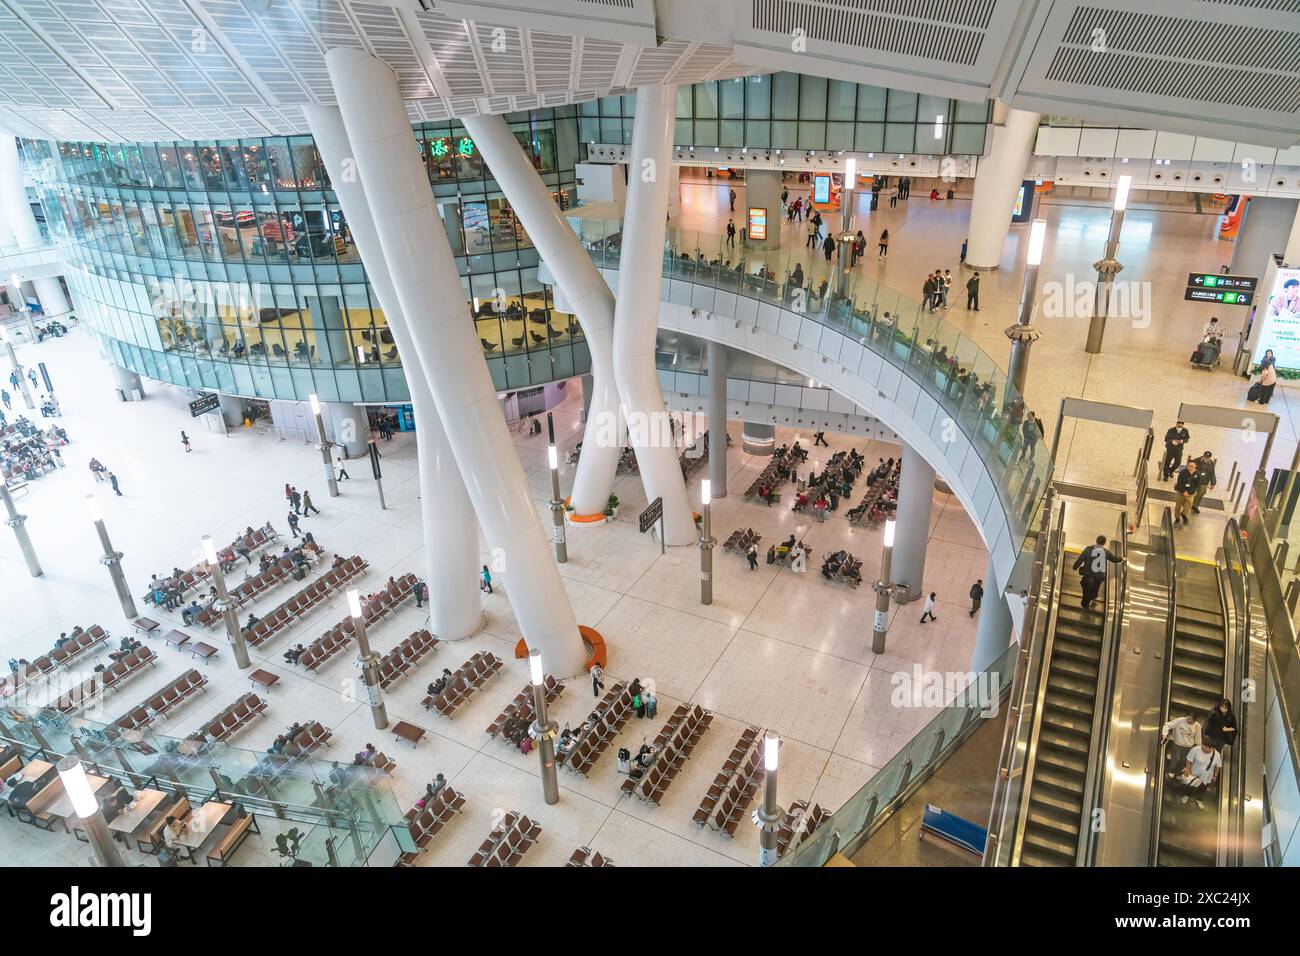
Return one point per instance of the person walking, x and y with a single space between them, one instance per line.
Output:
751 554
1185 731
185 440
288 494
4 397
884 245
819 438
1031 430
1176 440
1185 491
976 596
97 469
905 186
418 590
343 471
812 235
945 283
828 247
112 480
487 580
798 209
1091 565
293 524
1267 378
927 610
964 244
893 197
597 679
307 506
731 232
295 500
1205 479
929 293
731 194
973 293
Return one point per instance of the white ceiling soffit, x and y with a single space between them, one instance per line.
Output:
949 48
623 21
1205 67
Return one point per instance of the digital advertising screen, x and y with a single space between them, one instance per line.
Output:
757 222
821 189
1281 317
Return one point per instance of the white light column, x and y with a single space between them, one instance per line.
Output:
587 295
450 529
428 287
640 275
998 176
1108 267
912 518
17 211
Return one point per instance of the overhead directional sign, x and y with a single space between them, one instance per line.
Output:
204 404
1226 296
1212 280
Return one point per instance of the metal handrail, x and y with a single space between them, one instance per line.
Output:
1166 681
1028 641
1049 637
1228 772
1112 626
1236 838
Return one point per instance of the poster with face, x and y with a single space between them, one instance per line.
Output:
1281 316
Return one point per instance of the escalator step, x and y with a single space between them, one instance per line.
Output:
1067 683
1080 724
1060 825
1068 785
1068 761
1049 850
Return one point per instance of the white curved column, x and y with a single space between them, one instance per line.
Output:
717 419
998 176
450 529
993 631
586 294
912 523
428 287
636 312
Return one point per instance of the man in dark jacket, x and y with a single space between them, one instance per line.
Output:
973 292
1185 492
976 595
1091 565
1205 479
1175 443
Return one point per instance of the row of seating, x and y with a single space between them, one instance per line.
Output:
842 566
259 583
882 490
341 634
79 645
726 776
672 748
379 761
376 606
98 685
171 696
521 708
738 792
775 472
610 715
310 739
585 856
468 678
234 718
508 843
405 656
258 539
740 540
798 824
302 602
425 822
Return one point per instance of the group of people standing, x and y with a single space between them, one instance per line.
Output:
1192 480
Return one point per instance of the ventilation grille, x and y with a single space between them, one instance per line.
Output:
620 4
1288 5
1242 66
951 31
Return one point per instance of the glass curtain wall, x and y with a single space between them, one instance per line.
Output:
229 265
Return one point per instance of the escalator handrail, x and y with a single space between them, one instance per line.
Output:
1166 683
1108 667
1233 794
1040 691
1227 767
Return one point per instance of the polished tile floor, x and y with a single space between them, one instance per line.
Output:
776 649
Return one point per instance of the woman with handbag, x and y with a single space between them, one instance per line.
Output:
1267 379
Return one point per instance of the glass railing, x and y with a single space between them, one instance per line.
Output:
818 299
346 816
849 826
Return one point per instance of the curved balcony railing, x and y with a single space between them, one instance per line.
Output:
965 381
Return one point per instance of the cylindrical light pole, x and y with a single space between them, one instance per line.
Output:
557 503
368 660
223 602
706 543
768 817
884 589
846 224
18 522
77 786
324 446
111 559
1023 334
1107 268
543 729
379 476
13 359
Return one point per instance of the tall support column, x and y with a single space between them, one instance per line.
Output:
762 191
18 521
998 177
637 310
350 422
993 632
718 419
758 438
450 529
428 287
16 210
587 387
1107 268
585 292
912 524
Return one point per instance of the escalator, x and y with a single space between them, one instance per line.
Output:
1195 681
1058 784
